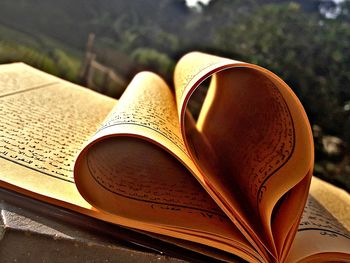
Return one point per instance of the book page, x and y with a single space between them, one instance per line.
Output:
136 166
44 124
322 235
47 121
257 133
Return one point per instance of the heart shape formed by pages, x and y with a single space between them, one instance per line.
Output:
236 178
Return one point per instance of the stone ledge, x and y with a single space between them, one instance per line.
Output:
31 231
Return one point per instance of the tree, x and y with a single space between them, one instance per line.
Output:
310 53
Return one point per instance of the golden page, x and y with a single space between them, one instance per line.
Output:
137 162
323 233
45 124
258 144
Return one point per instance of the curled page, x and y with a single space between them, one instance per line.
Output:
135 167
250 149
252 143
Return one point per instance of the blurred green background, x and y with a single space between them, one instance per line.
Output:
305 42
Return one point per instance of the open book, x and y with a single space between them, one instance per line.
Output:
233 181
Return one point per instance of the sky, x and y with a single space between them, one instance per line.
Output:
194 2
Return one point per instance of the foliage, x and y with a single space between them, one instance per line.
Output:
55 62
153 60
311 54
